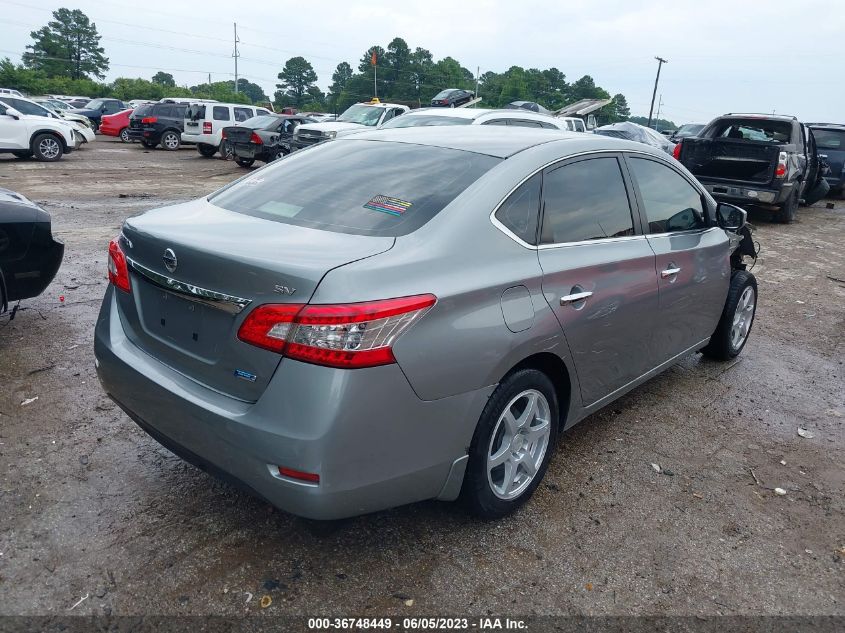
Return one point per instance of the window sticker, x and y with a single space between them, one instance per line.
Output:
386 204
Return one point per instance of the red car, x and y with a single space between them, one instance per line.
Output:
116 125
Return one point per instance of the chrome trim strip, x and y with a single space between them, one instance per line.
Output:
221 301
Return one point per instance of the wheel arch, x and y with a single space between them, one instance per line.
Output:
55 133
555 368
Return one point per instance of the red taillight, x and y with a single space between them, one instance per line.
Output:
118 270
349 336
444 101
780 170
149 119
206 127
223 135
676 151
256 139
300 475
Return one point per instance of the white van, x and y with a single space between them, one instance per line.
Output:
205 121
573 123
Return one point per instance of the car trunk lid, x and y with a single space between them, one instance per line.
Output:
237 134
197 270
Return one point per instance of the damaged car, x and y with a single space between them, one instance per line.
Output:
29 254
303 331
265 137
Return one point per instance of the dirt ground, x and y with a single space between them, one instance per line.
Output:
92 506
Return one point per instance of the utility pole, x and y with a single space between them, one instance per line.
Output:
236 54
660 62
477 76
209 79
659 105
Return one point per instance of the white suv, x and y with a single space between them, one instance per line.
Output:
26 135
356 117
204 121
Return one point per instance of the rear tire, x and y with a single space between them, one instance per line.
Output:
786 215
47 148
277 154
227 152
245 162
124 135
737 318
206 150
171 141
512 444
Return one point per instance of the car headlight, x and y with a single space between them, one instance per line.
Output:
330 134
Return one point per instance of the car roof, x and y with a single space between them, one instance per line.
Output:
832 126
477 113
491 140
758 115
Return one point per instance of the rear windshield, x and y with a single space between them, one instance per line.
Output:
829 139
444 93
260 122
421 120
195 112
143 110
754 130
358 187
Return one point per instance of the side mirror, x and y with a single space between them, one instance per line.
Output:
13 113
729 217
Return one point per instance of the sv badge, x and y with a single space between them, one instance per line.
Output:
284 290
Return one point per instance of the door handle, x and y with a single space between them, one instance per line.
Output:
575 298
669 272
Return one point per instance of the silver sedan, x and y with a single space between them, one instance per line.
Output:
416 313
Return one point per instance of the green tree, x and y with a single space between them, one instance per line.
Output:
296 78
514 87
340 79
421 66
68 46
253 91
397 65
164 79
615 111
365 63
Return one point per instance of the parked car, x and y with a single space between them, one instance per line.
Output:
767 160
29 254
310 338
25 135
638 133
82 133
96 108
265 137
830 142
356 117
475 116
117 124
76 102
452 98
10 92
156 123
63 112
687 130
204 123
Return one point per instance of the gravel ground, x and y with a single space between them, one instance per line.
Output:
93 506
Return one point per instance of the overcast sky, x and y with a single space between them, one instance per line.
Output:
723 55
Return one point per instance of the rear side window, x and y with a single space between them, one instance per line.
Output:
393 189
220 113
242 114
520 211
671 203
586 200
829 139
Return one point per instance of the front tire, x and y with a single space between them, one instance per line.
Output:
124 135
737 318
47 148
512 444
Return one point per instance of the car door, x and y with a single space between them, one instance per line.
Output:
13 133
815 187
692 255
598 272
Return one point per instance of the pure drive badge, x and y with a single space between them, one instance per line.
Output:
240 373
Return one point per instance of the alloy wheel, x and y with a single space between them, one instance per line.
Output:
743 316
49 148
170 141
518 444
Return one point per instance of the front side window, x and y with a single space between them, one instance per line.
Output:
671 202
220 113
94 104
829 139
25 107
586 200
525 123
520 212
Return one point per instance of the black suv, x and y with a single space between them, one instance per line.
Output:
155 123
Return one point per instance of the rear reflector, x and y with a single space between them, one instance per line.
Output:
206 127
313 478
348 336
118 271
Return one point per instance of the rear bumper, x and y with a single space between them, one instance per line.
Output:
201 139
29 277
374 443
748 193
